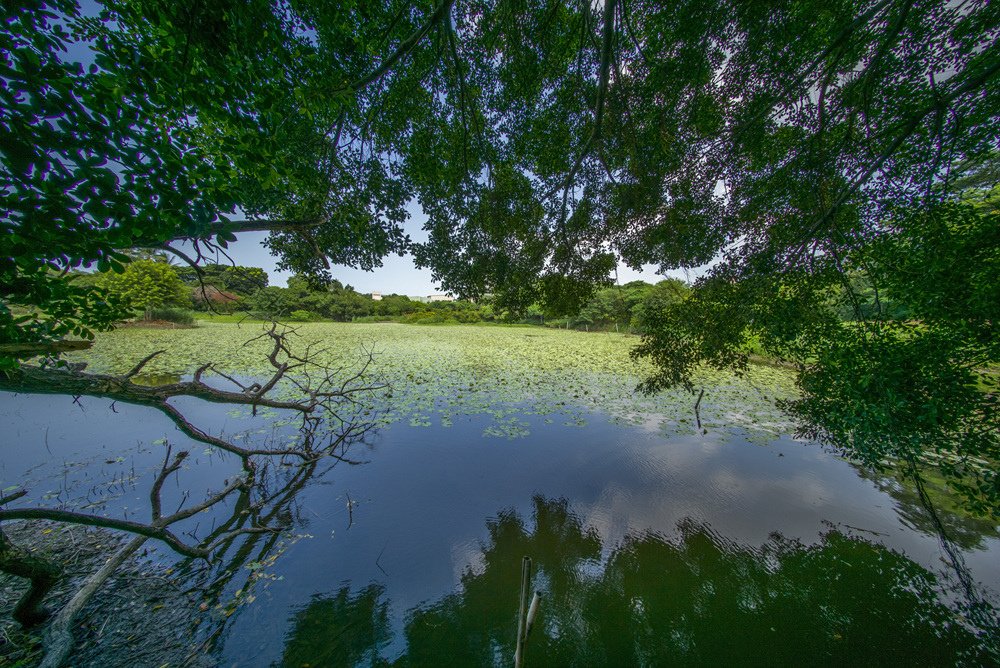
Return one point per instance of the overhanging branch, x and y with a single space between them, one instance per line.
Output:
404 48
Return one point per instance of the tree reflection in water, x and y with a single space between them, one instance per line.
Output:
697 599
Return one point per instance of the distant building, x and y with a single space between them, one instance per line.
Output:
376 296
440 297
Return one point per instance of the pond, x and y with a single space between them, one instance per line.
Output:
652 541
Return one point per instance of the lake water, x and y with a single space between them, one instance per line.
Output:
648 548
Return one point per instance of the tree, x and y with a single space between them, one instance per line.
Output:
793 144
656 300
326 425
273 302
183 118
232 277
244 280
147 284
394 305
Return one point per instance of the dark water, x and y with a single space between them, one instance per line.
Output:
648 550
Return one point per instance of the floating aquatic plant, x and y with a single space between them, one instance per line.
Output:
435 374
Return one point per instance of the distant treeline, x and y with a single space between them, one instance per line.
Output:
246 289
162 291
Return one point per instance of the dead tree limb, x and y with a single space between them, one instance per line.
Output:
59 638
322 389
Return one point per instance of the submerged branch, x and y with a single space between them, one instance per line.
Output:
59 637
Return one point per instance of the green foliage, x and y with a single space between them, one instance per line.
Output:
695 599
901 388
369 622
272 302
394 305
909 375
232 278
821 154
429 318
183 118
625 307
943 262
174 315
147 284
656 300
301 316
88 169
244 280
333 301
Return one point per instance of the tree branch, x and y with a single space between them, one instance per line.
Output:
969 85
602 93
129 526
401 51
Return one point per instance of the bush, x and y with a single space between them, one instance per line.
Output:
302 316
377 318
147 285
175 315
429 318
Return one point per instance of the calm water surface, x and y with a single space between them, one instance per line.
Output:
648 549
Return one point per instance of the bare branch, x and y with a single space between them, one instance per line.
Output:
72 517
59 636
143 362
905 132
229 535
165 471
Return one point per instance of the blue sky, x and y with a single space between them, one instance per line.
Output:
397 274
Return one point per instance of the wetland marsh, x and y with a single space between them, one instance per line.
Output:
655 540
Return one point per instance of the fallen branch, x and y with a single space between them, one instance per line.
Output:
59 636
697 415
320 398
41 574
323 390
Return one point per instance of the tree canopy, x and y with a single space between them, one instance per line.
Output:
797 145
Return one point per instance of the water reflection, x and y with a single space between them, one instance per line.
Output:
962 528
390 564
694 599
352 629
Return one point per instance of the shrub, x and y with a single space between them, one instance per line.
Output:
147 285
429 318
376 318
176 315
302 316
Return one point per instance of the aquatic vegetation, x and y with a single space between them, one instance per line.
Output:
436 374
